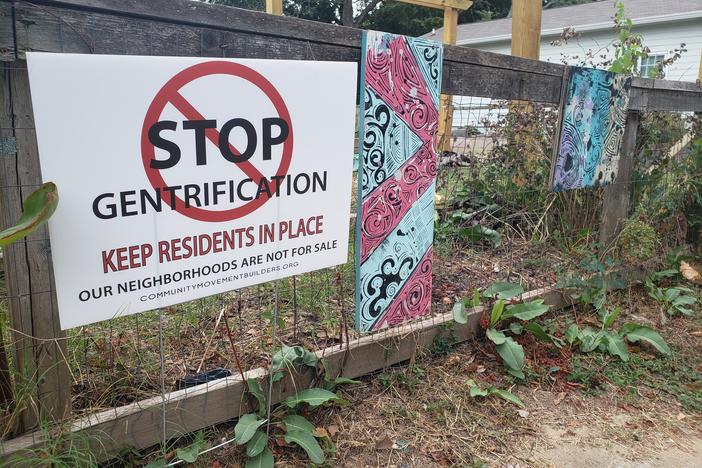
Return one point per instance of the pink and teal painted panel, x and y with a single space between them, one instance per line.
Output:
400 86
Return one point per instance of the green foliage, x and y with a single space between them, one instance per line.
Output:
190 453
675 300
592 280
476 391
38 208
502 290
445 340
308 443
262 460
312 396
614 342
502 321
629 48
246 427
637 241
297 429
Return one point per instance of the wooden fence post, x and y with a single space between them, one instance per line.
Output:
617 195
42 383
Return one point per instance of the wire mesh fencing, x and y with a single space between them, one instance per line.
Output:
496 220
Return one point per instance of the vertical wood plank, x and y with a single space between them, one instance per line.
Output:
617 195
16 268
52 376
526 28
274 7
42 384
446 104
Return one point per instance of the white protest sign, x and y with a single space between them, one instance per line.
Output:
180 178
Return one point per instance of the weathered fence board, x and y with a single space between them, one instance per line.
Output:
617 195
187 28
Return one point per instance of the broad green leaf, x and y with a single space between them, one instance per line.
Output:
286 357
516 328
311 396
262 460
309 358
308 443
501 290
527 310
38 208
346 380
190 453
516 373
246 428
257 443
495 336
160 463
616 346
295 422
507 395
460 313
496 313
659 275
479 233
538 332
611 317
571 334
512 354
475 302
590 339
477 391
642 333
256 390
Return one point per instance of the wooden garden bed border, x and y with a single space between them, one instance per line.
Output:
139 424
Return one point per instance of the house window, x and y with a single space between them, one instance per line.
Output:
650 66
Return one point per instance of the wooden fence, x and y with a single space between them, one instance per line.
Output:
192 28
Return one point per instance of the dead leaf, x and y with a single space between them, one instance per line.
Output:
454 359
384 444
523 413
681 416
320 432
253 332
332 430
446 300
480 369
215 464
689 273
472 367
560 398
696 333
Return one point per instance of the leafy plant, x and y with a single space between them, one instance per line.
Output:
38 208
614 342
476 391
675 299
629 48
296 428
502 321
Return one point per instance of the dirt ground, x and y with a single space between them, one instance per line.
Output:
591 411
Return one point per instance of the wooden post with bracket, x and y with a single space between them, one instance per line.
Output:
451 8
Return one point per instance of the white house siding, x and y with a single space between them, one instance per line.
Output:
661 38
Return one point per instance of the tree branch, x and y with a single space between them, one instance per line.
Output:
362 15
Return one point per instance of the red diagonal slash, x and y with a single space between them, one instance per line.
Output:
187 109
170 93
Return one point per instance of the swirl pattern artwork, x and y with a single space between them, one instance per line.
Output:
401 85
593 117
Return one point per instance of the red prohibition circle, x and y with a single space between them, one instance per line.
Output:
170 93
